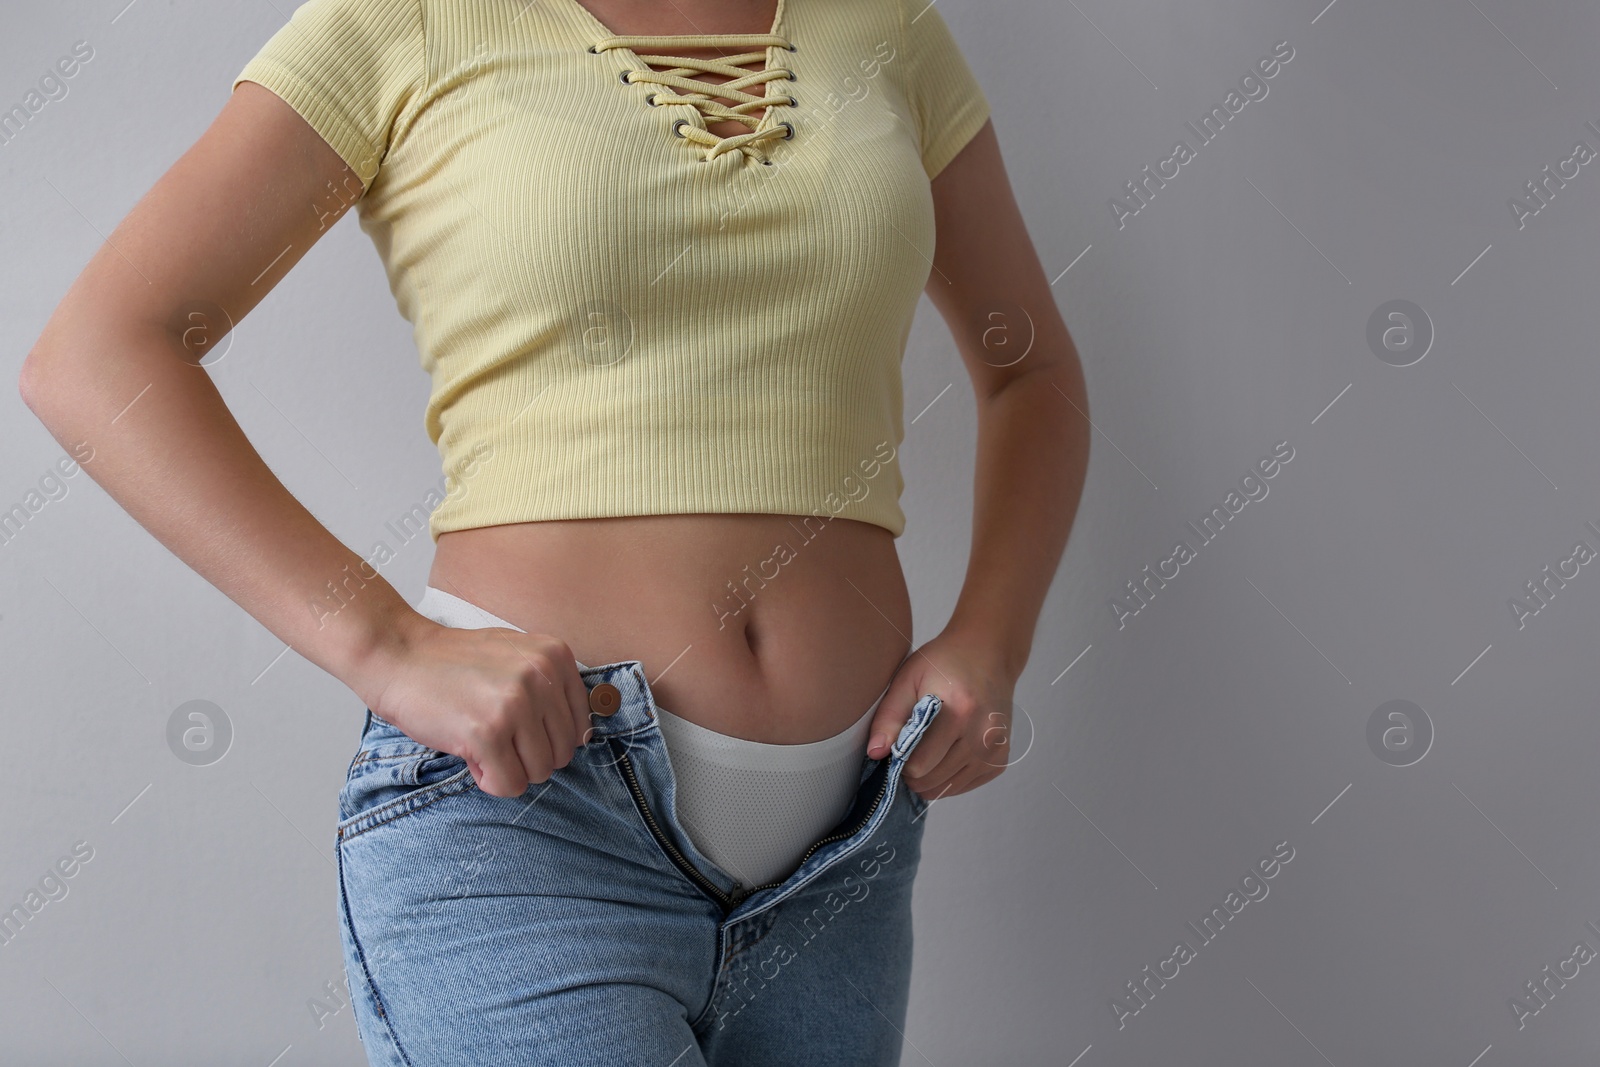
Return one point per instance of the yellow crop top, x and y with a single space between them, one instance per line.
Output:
621 312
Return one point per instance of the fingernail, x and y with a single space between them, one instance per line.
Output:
878 741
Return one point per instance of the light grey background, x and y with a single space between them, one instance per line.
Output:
1229 715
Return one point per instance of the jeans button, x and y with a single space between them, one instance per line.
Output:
605 699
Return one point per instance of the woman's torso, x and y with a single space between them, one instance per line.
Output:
761 626
775 628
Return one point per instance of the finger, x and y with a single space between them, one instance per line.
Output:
556 721
558 731
958 753
503 774
975 775
533 749
577 695
894 710
934 795
964 781
936 781
936 744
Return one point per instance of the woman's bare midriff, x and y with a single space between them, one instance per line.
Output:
774 628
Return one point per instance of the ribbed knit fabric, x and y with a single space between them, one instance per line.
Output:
619 320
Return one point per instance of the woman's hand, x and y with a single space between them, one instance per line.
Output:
969 741
511 704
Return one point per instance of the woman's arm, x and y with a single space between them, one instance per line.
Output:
112 369
1033 425
1032 455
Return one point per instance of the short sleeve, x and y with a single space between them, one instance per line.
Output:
349 68
946 99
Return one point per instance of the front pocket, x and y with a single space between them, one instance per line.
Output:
392 779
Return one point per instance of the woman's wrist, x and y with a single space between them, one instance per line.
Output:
383 641
1005 653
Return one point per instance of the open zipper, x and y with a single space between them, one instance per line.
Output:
672 850
740 893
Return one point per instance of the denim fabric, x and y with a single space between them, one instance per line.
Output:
578 925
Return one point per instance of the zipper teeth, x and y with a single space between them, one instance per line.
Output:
884 788
672 850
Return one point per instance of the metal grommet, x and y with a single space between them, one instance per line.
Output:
592 50
793 102
675 125
790 128
794 48
651 100
605 699
624 76
789 75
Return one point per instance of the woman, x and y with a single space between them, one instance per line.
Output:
664 327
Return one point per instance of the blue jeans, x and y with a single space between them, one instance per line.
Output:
578 925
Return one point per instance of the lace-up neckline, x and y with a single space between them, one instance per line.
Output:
680 90
694 100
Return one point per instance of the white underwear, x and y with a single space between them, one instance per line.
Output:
752 808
